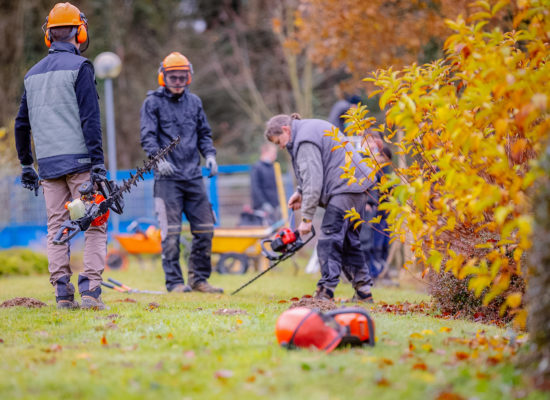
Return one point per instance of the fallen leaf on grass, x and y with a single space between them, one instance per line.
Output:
382 382
1 340
416 335
223 374
104 341
449 396
420 366
152 306
307 296
185 367
282 301
427 332
494 360
239 321
445 329
424 376
251 379
126 300
482 375
170 336
385 361
54 348
294 299
427 347
460 355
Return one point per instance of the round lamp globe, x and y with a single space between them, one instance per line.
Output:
107 65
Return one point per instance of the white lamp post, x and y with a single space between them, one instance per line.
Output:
107 66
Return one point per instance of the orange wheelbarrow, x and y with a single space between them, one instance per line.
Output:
136 242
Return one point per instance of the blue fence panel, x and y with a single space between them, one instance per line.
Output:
23 217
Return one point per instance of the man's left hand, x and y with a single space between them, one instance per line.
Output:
304 228
98 173
211 165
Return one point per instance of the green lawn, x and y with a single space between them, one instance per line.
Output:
182 350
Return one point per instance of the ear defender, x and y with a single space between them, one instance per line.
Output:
47 38
82 30
160 76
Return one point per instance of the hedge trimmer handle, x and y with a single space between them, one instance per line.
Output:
122 285
70 229
269 254
118 289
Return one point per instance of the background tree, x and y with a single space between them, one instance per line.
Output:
363 36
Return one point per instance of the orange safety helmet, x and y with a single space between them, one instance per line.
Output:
174 61
65 14
303 327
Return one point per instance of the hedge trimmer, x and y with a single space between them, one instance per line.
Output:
286 242
92 207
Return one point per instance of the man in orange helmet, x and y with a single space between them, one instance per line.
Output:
60 106
168 112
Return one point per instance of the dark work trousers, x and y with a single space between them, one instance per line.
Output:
172 198
339 246
375 243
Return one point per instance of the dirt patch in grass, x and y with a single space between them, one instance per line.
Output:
229 311
28 302
319 304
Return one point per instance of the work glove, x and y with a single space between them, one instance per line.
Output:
98 173
29 178
165 168
211 165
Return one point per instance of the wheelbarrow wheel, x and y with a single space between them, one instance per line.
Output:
116 260
232 263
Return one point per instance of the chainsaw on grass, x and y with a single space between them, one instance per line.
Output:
284 245
95 201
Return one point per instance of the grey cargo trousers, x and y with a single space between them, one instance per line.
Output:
339 246
57 192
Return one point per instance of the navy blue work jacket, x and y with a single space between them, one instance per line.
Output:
165 116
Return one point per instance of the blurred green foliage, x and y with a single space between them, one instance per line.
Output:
20 261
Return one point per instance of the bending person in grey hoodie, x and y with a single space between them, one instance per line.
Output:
319 184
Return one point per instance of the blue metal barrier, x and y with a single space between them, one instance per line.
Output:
23 216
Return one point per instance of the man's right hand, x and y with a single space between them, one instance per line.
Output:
295 201
165 168
29 178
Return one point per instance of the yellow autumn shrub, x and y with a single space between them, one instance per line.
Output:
472 126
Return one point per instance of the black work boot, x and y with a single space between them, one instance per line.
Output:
92 303
361 297
67 305
180 288
323 293
205 287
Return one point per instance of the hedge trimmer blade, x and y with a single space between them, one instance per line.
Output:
112 196
148 166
